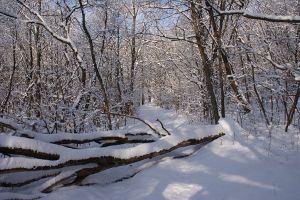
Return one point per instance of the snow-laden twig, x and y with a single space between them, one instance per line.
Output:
257 16
40 21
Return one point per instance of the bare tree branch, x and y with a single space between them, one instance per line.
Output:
257 16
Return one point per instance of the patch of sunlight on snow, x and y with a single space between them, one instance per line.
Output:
129 189
235 152
148 189
181 191
185 167
243 180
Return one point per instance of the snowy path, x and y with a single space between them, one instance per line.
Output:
224 169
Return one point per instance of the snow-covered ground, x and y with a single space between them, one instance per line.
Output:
236 166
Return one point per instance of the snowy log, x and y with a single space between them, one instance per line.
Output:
45 155
97 159
109 162
104 157
70 138
105 163
41 149
29 147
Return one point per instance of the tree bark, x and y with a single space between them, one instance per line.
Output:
260 102
228 68
290 115
14 66
199 29
98 74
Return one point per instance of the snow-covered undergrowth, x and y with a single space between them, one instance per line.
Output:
237 166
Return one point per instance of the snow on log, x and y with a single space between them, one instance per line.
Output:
108 162
43 150
102 156
20 179
71 138
29 147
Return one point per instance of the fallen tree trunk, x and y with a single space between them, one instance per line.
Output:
52 152
39 149
105 163
119 142
29 153
137 168
70 138
104 157
109 162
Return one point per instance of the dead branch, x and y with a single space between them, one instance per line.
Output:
141 120
163 127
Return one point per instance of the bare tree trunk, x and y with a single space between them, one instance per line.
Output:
260 102
37 74
234 85
245 79
99 77
290 115
218 35
133 46
206 62
118 73
228 68
14 66
221 78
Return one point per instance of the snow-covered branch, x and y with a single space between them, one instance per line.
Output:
40 21
284 67
257 16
